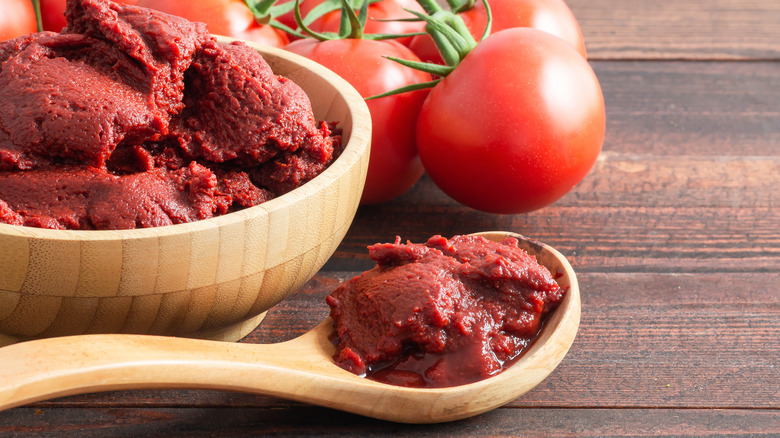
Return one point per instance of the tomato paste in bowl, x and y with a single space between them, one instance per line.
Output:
131 118
444 313
207 278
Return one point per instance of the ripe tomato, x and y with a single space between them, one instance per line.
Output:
378 11
16 19
552 16
53 13
222 17
288 19
515 126
394 165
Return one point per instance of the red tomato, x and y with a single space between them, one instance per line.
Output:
53 13
288 19
380 10
515 126
222 17
394 165
17 18
552 16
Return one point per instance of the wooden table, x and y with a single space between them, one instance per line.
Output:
675 235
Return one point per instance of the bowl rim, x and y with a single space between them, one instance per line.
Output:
359 140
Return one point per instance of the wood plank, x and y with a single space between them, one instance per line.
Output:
674 340
312 421
679 29
645 341
692 108
632 213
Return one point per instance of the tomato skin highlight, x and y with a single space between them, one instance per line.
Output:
17 18
552 16
394 165
515 126
230 18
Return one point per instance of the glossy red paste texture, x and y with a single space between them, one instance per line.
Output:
133 118
443 313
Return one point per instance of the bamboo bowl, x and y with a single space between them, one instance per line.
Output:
210 279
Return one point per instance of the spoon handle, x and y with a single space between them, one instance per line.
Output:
49 368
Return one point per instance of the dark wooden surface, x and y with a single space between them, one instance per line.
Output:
675 235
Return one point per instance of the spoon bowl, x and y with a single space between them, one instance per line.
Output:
301 369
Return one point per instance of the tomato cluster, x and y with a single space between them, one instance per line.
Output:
511 127
513 123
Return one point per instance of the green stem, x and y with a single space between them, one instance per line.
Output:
456 23
277 25
454 4
304 28
413 87
448 53
462 6
434 69
37 8
353 21
451 36
449 32
322 9
261 9
429 6
488 20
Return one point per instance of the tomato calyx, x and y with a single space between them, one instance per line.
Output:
265 12
352 23
448 30
452 39
461 7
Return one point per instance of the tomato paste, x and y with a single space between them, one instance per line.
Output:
133 118
444 313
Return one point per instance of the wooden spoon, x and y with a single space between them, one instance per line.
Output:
301 369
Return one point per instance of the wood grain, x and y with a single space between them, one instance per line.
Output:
696 108
303 421
632 213
679 29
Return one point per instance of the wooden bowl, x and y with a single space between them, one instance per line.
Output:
210 279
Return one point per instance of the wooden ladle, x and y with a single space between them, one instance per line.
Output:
301 369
